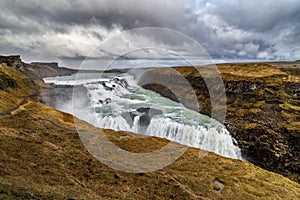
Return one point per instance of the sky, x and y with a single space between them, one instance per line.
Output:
59 30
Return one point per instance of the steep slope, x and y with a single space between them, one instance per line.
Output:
15 88
42 157
263 108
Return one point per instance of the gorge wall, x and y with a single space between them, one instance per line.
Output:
263 108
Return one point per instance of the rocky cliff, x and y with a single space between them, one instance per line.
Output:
49 69
40 69
12 61
263 108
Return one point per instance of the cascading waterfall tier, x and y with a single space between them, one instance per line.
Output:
117 102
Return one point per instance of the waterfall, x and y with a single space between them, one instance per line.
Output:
116 102
135 126
211 139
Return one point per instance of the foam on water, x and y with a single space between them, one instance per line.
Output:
112 97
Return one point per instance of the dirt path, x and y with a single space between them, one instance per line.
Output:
8 112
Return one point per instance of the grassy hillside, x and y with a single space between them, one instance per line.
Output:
15 88
42 157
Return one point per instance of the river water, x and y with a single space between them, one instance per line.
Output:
115 101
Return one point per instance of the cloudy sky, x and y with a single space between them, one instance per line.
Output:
227 29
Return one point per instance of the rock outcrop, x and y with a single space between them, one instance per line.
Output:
40 69
12 61
145 114
49 69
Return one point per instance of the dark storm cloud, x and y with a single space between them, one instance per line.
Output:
128 14
272 24
257 16
232 29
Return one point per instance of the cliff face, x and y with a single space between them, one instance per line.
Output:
263 109
40 69
49 69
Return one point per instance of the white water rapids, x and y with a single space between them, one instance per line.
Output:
116 102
